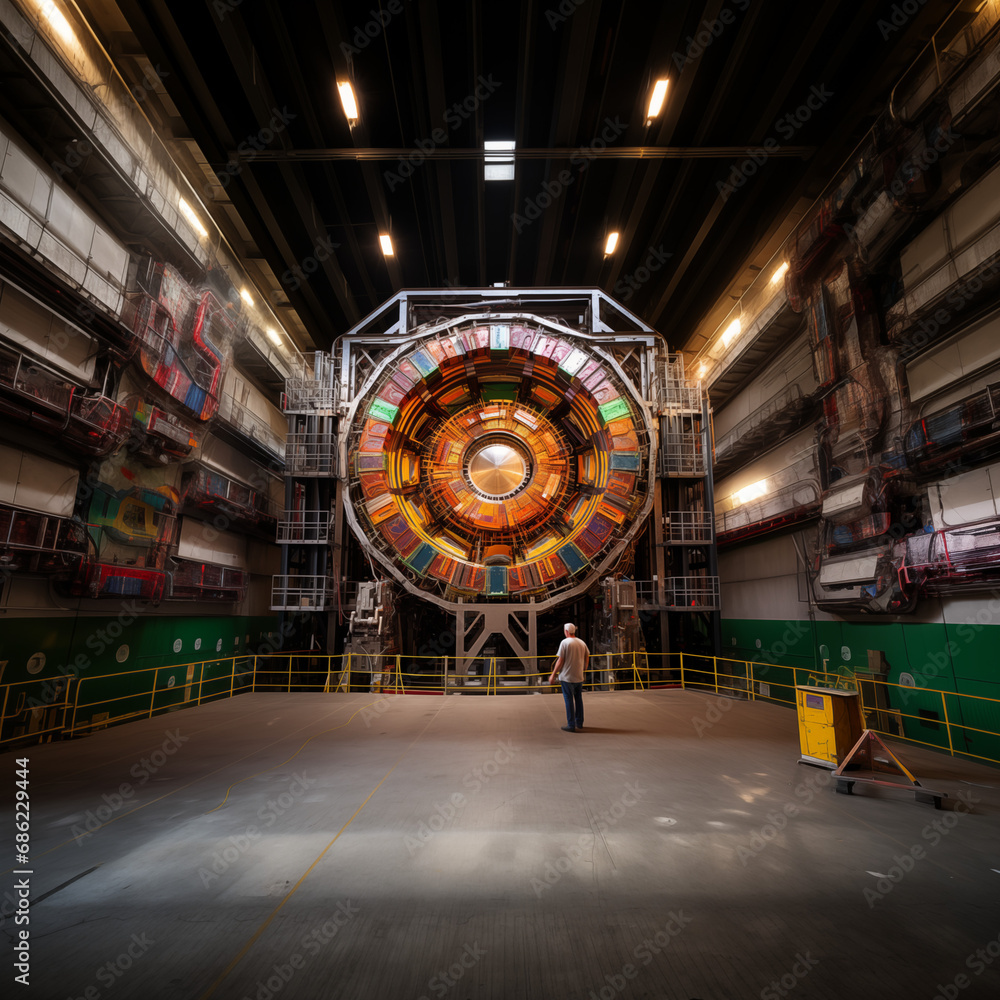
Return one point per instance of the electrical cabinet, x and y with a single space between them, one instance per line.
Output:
829 724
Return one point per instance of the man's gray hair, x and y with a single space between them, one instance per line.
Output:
570 627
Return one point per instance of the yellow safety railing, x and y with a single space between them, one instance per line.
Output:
96 701
876 712
162 696
35 716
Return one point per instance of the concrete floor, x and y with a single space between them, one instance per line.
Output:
313 846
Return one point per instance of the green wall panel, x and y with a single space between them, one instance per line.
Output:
131 648
91 645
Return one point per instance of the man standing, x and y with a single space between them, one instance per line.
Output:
573 658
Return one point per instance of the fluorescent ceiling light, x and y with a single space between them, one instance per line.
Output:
386 242
188 212
731 331
656 100
59 23
499 164
702 368
350 104
779 274
611 244
274 336
246 296
751 492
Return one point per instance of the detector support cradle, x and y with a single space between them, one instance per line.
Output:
862 758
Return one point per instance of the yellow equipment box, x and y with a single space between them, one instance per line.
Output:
829 724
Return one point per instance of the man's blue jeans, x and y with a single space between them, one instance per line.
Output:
573 696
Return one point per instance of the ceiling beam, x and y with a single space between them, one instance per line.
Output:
433 65
779 98
567 123
166 43
542 153
523 105
639 215
249 73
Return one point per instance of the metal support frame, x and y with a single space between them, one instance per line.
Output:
496 619
713 553
395 345
660 561
673 405
685 455
392 323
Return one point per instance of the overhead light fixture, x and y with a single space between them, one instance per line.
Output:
499 163
274 336
656 100
702 368
731 332
246 296
349 102
611 244
748 493
386 242
780 273
188 212
58 22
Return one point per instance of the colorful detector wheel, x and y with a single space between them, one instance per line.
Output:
508 462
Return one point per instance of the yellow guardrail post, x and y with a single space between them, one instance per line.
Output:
947 724
152 693
201 679
69 684
715 670
683 685
289 691
76 703
232 676
3 711
399 667
445 687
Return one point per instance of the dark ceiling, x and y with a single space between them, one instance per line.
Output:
557 76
